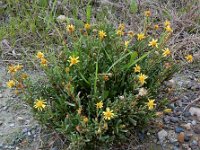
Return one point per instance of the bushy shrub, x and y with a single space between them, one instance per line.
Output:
102 83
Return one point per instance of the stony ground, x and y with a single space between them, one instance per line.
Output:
179 130
17 127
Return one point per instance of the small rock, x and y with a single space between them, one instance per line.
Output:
61 18
141 136
187 114
174 119
29 133
172 137
195 87
194 122
186 146
12 125
1 96
195 111
5 108
187 126
171 106
166 119
196 129
1 123
179 103
194 143
188 84
176 148
181 137
25 130
171 83
20 119
187 138
179 129
162 135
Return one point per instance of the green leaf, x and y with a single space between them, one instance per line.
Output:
43 3
105 94
139 59
96 77
88 13
133 57
119 60
133 6
134 122
84 78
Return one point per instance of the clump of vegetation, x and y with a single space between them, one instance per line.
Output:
101 84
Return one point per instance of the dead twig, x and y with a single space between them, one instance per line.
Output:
191 103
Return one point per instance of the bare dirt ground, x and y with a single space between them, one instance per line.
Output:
17 127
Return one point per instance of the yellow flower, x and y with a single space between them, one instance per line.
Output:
151 104
67 69
121 27
102 34
24 76
166 52
142 78
167 110
73 60
43 62
189 58
87 26
137 68
99 105
18 67
153 43
40 55
167 23
131 34
70 28
126 43
156 27
85 119
147 13
10 83
168 29
108 114
12 69
120 32
40 104
140 36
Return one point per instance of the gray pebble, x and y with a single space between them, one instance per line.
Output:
187 114
25 130
162 135
174 119
179 129
194 143
166 119
29 133
194 122
187 138
12 125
